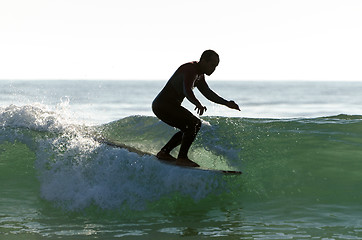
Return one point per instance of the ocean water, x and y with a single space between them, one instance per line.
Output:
299 145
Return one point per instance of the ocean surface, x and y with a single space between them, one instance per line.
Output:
298 144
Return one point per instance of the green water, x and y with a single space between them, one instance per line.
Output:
301 180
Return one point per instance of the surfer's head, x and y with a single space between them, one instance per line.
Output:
209 60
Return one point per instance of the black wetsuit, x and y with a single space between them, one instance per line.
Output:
167 105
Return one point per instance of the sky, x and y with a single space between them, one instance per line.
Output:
149 40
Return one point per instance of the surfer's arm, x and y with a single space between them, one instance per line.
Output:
212 96
209 94
188 78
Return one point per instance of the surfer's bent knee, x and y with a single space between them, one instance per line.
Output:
194 125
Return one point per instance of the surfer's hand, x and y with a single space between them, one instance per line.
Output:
233 105
200 110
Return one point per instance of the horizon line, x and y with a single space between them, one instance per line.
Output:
213 80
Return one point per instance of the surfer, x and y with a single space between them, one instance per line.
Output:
167 105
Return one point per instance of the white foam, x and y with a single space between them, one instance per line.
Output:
115 178
36 117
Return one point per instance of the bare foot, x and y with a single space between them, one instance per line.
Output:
165 156
186 162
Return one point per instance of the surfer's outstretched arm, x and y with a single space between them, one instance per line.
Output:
212 96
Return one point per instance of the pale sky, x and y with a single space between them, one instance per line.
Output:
149 39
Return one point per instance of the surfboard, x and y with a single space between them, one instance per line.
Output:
118 144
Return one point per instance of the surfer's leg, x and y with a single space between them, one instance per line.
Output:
173 142
164 154
181 118
189 135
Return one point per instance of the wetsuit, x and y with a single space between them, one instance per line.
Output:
167 105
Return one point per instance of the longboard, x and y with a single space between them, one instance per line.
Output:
142 153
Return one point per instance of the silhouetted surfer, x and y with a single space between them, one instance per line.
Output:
167 104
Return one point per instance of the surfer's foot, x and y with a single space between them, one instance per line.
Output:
165 156
186 162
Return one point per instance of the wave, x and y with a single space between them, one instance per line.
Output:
315 159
